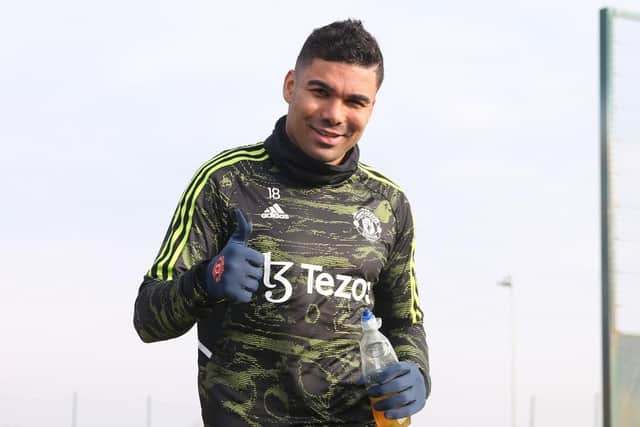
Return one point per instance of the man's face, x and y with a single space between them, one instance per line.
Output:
329 107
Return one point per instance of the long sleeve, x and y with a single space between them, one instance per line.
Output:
396 295
172 296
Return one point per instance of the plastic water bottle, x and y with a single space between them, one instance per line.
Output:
377 353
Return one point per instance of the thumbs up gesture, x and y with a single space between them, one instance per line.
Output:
236 271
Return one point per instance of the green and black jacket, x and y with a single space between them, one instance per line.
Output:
336 239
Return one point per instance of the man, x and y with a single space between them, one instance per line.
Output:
277 248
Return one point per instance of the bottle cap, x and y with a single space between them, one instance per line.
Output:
367 315
369 321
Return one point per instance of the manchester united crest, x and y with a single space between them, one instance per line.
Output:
367 224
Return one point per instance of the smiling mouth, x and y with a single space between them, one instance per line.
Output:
325 133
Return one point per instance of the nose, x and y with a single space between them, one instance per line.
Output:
333 113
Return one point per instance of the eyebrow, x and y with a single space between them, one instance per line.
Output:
355 97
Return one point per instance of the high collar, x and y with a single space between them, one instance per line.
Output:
300 167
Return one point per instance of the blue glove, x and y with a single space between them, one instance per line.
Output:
235 273
407 384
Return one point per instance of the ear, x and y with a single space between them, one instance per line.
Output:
287 87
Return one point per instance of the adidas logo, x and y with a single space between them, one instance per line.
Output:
274 211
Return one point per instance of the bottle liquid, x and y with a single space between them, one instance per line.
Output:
377 353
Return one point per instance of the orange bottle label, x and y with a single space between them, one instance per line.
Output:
381 420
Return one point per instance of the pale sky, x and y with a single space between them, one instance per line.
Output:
488 119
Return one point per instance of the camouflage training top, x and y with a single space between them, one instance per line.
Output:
336 240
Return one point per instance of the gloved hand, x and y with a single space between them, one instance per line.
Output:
407 384
236 271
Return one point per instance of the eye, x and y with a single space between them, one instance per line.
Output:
356 103
320 92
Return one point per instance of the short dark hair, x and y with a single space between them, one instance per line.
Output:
343 41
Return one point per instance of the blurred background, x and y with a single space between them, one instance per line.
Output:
488 119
